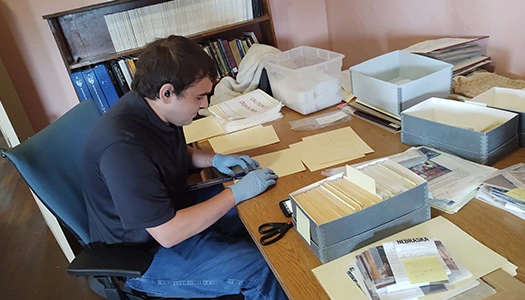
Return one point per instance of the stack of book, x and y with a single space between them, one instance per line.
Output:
406 269
506 190
228 54
135 28
248 110
466 54
106 82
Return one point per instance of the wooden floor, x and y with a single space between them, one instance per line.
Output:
32 265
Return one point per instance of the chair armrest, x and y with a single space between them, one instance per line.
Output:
109 261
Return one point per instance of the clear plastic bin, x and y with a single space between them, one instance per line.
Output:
305 79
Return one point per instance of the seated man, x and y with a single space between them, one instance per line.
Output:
135 167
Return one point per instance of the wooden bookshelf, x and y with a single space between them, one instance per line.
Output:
83 38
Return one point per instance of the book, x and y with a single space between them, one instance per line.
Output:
80 86
240 47
106 84
223 67
222 55
229 56
95 90
125 71
119 76
235 51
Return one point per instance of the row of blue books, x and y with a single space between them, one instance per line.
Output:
105 83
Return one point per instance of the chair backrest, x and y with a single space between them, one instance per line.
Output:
50 162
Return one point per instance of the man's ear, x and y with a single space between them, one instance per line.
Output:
166 93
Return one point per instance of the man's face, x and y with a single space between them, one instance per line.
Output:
186 106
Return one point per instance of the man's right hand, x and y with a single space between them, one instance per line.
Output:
253 184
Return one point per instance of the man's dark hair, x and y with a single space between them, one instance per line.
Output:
175 60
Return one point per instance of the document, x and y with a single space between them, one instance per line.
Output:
506 190
247 139
283 163
471 254
452 181
251 109
202 129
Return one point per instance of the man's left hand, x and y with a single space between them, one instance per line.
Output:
223 163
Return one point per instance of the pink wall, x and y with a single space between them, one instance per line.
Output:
362 29
32 58
300 23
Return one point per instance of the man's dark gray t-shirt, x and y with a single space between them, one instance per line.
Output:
134 168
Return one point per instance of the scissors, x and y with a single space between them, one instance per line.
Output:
272 232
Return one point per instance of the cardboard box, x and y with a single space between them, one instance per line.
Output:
480 134
336 238
506 99
398 80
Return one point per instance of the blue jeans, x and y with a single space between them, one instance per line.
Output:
222 260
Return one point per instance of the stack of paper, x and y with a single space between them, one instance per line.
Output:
331 148
466 55
473 260
406 268
452 181
248 110
506 190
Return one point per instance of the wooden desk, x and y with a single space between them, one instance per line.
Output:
292 261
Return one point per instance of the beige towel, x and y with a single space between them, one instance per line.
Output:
479 82
247 79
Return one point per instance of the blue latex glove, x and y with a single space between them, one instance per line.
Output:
223 163
253 184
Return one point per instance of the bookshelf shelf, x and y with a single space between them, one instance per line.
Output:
201 36
83 38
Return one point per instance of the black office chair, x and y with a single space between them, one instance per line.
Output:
50 163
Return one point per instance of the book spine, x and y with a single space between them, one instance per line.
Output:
229 56
240 47
80 86
106 84
95 90
223 69
119 77
235 51
222 52
125 71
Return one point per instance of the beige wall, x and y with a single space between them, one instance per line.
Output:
360 29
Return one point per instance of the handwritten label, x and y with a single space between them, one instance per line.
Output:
424 269
331 118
